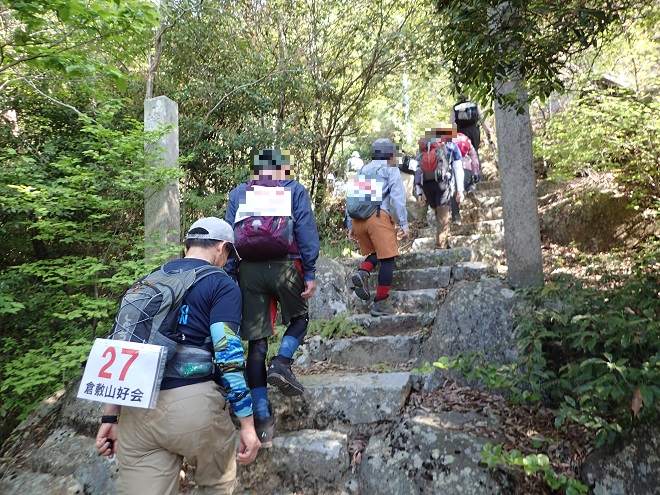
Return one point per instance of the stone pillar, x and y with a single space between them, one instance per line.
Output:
162 218
522 233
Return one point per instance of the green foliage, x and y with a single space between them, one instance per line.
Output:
607 131
532 465
488 40
71 213
57 37
27 376
338 327
288 74
331 222
593 354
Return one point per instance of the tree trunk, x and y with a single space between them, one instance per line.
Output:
522 233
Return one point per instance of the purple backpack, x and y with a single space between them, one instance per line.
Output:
261 238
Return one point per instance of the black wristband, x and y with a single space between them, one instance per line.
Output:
109 419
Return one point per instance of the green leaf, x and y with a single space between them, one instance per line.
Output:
121 84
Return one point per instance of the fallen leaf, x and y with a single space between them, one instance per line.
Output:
637 402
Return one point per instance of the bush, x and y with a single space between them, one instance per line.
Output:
591 353
607 132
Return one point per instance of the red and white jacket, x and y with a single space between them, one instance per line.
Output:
469 154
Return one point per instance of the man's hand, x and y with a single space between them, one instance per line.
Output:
106 439
310 288
405 235
420 200
459 197
352 236
249 447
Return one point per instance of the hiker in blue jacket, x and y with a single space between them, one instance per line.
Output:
289 280
376 235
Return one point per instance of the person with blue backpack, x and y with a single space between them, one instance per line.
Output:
276 236
376 191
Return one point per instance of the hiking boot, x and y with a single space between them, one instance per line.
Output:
382 308
444 245
281 376
472 194
360 281
265 430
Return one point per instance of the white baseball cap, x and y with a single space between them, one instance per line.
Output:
215 229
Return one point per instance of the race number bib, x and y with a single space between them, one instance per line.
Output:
365 188
262 201
123 373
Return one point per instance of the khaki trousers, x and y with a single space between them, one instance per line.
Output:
191 422
442 216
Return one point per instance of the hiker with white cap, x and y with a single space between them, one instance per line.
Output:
354 164
191 418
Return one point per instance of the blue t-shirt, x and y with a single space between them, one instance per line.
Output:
215 298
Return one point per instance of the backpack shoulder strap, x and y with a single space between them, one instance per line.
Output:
206 270
441 153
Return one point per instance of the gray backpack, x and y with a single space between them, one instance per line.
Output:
149 311
365 193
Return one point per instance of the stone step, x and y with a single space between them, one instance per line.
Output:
401 324
305 461
361 351
484 227
440 257
485 191
408 301
475 215
426 237
471 270
489 185
492 203
484 247
334 399
432 277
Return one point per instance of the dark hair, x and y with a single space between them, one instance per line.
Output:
201 243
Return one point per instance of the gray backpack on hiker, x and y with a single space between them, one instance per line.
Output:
149 314
365 193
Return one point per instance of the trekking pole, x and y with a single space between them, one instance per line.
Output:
495 158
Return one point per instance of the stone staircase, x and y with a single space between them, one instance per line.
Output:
482 228
346 403
359 427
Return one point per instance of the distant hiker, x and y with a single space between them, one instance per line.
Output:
467 116
375 192
408 166
439 176
471 174
354 164
191 418
277 238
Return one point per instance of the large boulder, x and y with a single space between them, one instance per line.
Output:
631 467
423 455
332 295
477 316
